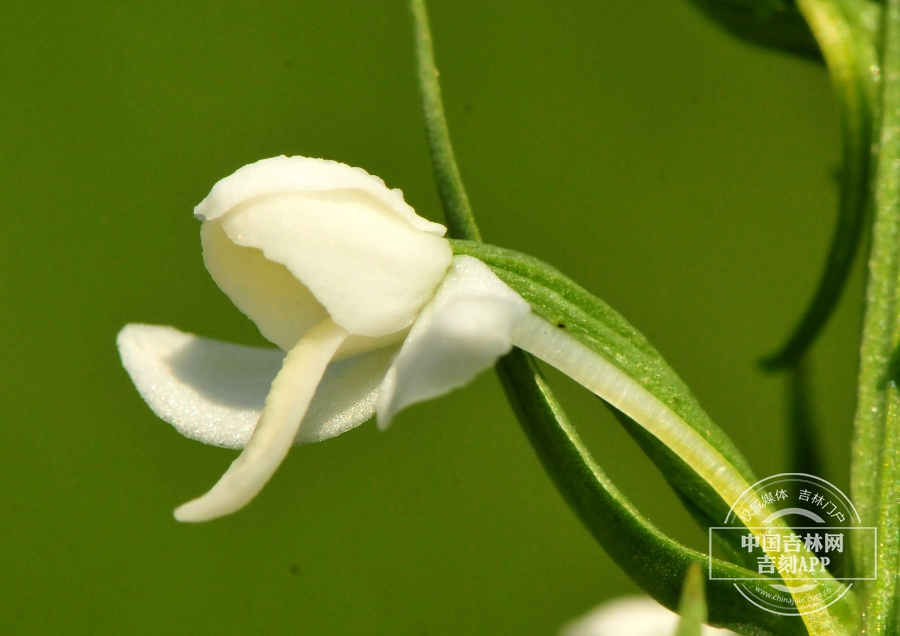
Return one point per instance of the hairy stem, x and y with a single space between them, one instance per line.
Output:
876 466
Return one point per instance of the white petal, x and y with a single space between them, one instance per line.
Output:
210 391
634 616
467 326
214 391
287 403
280 305
304 174
372 270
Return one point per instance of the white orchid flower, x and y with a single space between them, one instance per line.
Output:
370 310
363 296
634 616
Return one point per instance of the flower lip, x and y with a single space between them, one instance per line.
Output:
304 174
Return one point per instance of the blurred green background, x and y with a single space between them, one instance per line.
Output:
684 177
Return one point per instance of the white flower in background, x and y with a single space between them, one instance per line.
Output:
364 297
371 312
631 616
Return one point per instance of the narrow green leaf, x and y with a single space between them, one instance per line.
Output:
844 32
654 561
462 225
597 326
588 319
692 606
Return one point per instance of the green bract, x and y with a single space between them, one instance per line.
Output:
586 318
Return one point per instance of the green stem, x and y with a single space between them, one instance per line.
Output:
848 56
575 475
883 604
458 212
517 374
876 466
